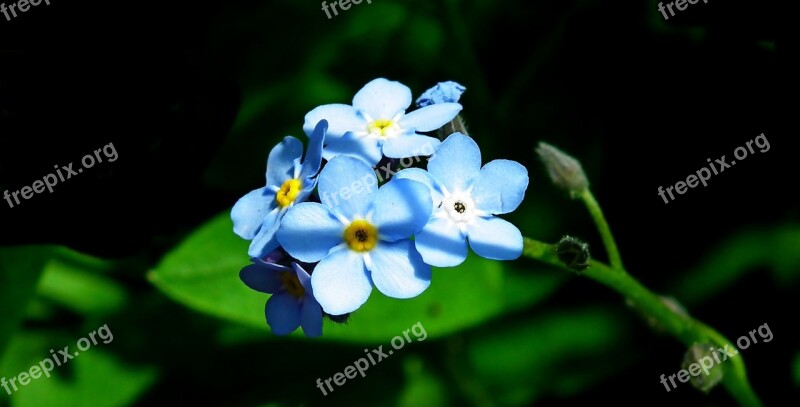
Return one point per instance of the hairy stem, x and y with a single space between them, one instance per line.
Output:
683 327
602 227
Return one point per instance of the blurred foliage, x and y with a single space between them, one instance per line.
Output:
93 378
551 354
560 353
76 282
724 265
20 268
796 370
422 387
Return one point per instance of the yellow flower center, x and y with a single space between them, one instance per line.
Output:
288 192
292 284
381 127
361 236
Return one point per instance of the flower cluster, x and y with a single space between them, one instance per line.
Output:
323 235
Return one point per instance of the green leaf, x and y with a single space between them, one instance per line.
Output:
75 281
422 387
796 370
556 354
775 248
203 273
20 268
93 378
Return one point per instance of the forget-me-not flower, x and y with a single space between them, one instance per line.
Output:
292 303
465 199
443 92
377 124
257 215
360 235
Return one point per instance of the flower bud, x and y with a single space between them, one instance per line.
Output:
565 171
704 371
443 92
573 253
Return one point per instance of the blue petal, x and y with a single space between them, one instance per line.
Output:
270 261
441 243
283 313
280 165
443 92
308 231
341 119
420 175
265 241
250 210
402 208
261 278
410 145
495 238
303 277
398 270
368 149
500 186
430 118
313 158
383 99
311 317
456 162
308 188
340 282
348 186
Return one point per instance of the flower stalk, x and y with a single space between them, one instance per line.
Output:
602 227
567 172
683 327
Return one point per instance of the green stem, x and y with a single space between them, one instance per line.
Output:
683 327
602 226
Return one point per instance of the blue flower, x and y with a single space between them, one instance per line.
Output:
377 124
359 234
292 303
257 215
443 92
465 198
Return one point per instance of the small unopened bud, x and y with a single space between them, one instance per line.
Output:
565 171
573 253
443 92
703 366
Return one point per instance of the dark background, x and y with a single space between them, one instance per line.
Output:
193 96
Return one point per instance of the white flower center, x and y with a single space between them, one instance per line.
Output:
459 208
